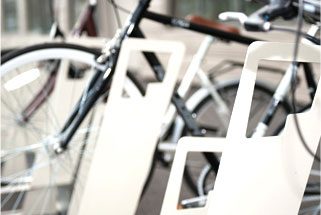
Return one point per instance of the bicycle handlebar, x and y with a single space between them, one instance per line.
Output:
260 20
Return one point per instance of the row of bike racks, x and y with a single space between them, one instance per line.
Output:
262 175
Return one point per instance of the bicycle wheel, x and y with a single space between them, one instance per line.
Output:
39 87
198 175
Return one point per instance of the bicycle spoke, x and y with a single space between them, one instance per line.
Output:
53 119
7 106
17 151
51 180
13 178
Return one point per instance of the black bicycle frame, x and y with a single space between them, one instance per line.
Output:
131 29
185 24
102 80
97 89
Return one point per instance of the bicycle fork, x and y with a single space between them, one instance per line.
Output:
282 90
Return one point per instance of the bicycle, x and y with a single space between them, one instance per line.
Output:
98 83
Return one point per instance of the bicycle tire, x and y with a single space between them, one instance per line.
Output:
227 91
19 182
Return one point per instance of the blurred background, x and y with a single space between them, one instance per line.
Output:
33 16
26 22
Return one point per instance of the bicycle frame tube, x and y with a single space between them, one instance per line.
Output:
98 87
130 29
182 23
194 66
41 96
86 23
176 99
184 86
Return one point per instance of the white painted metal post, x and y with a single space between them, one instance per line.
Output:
128 137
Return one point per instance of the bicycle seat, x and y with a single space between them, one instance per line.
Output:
212 24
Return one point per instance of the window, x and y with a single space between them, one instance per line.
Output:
39 16
35 15
9 15
212 8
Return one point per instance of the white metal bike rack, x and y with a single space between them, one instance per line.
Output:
128 135
262 175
